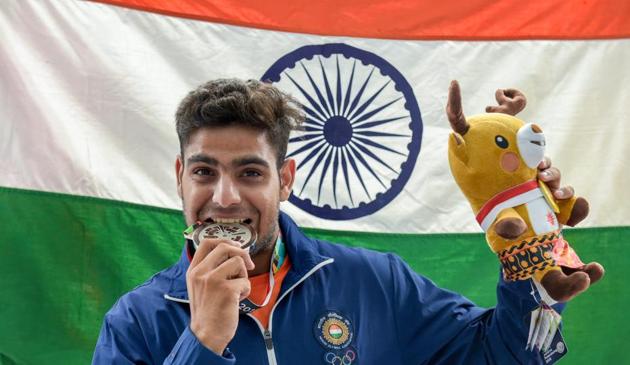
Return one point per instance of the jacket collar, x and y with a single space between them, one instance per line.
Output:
177 290
302 252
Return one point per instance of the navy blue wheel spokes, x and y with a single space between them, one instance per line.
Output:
362 133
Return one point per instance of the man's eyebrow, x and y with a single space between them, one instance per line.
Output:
250 160
202 158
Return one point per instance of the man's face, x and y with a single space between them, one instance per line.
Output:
230 173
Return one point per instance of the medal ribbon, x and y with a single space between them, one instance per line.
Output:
277 259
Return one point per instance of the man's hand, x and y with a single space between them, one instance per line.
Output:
551 176
217 281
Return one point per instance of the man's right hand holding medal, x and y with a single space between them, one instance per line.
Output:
217 281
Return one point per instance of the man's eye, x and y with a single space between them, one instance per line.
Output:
202 172
251 173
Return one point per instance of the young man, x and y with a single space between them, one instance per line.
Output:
324 303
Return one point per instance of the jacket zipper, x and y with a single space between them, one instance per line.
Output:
268 341
271 355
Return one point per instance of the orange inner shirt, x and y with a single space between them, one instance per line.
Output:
259 290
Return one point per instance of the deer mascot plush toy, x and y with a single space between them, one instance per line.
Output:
494 159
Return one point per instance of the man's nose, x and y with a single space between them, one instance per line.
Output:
225 192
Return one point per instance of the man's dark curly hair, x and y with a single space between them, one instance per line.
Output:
251 103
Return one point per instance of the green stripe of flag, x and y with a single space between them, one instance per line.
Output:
66 259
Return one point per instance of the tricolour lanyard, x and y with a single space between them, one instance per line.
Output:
277 259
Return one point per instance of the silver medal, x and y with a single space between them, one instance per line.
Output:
238 232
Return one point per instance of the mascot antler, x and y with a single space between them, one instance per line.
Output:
511 101
454 110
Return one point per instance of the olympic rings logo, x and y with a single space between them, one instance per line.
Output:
335 359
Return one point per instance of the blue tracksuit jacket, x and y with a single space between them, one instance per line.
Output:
337 305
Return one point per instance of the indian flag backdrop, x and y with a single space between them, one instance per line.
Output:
88 207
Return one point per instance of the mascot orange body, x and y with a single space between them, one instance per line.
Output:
494 159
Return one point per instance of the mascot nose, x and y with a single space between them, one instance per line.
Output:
536 128
531 143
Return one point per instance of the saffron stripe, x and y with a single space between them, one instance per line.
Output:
409 19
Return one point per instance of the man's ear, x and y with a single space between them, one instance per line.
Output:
287 177
179 172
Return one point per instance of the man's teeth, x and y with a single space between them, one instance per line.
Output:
229 220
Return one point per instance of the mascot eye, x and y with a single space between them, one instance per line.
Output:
501 141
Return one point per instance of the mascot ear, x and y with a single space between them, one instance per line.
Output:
457 147
457 139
